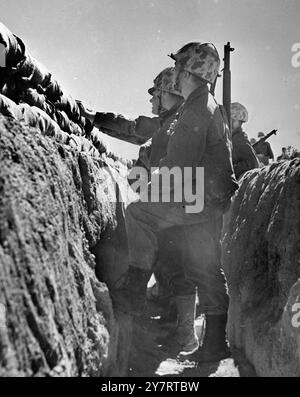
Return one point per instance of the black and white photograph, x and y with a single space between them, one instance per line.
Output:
149 192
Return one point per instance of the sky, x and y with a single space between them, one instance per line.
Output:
107 53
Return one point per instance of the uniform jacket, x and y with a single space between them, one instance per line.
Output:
136 131
200 137
264 148
156 147
243 155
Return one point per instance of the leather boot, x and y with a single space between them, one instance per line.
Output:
215 346
185 339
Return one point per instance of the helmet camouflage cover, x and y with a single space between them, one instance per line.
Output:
200 59
164 82
239 112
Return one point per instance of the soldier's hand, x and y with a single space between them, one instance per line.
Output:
86 113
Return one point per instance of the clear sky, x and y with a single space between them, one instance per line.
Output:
107 52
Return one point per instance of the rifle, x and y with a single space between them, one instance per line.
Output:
227 81
273 132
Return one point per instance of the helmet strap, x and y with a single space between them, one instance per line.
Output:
160 106
177 82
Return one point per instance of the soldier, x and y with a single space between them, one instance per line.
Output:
165 102
198 138
243 155
284 155
264 150
136 131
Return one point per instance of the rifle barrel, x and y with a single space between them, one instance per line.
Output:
227 81
265 138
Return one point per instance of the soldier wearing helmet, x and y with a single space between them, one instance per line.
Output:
199 137
136 131
165 103
198 60
263 150
284 154
243 155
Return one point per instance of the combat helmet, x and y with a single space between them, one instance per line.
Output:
238 112
164 82
200 59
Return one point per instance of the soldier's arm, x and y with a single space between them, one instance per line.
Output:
144 155
247 159
136 131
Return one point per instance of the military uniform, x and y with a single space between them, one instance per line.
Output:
155 148
264 149
243 155
150 155
136 131
199 138
140 130
151 152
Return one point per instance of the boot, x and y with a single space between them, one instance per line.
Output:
167 324
185 339
215 346
130 297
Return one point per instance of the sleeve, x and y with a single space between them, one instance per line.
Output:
136 131
188 141
247 159
270 152
144 154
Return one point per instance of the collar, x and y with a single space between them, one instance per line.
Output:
198 92
168 113
237 131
